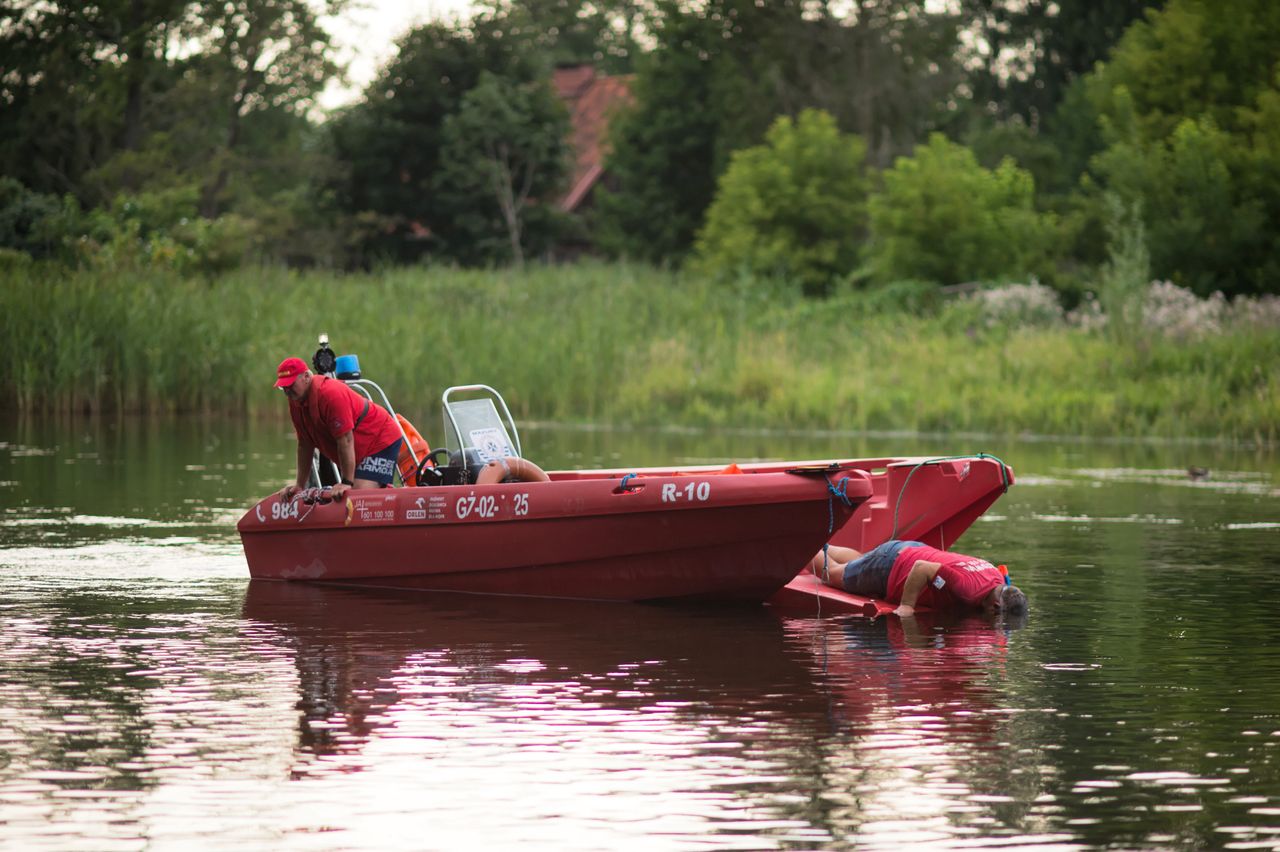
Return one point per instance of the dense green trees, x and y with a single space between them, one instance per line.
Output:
662 166
75 82
506 144
391 143
459 146
720 73
814 140
1190 106
176 99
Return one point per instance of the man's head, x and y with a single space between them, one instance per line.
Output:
293 377
1005 599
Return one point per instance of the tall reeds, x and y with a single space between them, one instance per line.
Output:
614 343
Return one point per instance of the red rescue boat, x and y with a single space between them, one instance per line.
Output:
746 532
701 536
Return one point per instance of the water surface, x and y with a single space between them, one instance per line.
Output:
151 696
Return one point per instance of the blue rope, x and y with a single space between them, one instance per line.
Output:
625 479
839 491
833 491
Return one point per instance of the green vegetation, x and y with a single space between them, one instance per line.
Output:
808 185
626 344
944 218
992 132
794 208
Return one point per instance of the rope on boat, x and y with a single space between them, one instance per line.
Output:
622 486
311 497
834 490
1004 480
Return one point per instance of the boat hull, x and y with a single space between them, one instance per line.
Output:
912 498
699 536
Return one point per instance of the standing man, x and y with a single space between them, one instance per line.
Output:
911 574
356 434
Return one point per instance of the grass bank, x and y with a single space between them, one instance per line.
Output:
621 344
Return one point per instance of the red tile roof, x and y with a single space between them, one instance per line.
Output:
591 100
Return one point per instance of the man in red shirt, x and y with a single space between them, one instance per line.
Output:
356 434
911 574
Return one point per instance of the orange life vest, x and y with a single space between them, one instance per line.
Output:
409 467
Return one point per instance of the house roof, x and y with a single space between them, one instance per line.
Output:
591 100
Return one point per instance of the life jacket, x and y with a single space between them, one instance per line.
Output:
409 467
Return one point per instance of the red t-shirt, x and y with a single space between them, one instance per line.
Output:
965 579
330 411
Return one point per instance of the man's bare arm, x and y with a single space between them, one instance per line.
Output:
303 473
347 456
921 573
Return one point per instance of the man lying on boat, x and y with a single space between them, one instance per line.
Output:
912 574
353 432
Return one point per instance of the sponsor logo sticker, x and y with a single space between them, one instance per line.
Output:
374 510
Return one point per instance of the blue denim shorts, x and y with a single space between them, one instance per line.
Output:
868 575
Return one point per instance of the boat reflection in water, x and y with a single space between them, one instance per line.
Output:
609 716
368 659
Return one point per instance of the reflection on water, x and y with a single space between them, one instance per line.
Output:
151 696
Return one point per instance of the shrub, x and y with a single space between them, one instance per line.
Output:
942 217
163 229
1262 312
42 226
1031 304
793 207
1087 316
1127 272
1177 312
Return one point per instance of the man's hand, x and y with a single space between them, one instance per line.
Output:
337 492
904 610
289 492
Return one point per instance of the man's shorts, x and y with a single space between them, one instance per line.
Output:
868 575
380 467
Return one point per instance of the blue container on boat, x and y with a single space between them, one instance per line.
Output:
347 367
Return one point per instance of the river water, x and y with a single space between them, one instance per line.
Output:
151 697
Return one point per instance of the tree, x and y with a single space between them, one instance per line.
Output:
75 84
1028 53
794 207
507 140
260 55
942 217
662 155
34 223
1189 106
390 144
887 70
153 99
721 72
603 33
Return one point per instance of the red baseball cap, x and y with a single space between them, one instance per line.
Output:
289 370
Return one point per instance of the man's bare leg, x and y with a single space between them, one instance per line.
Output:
829 567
